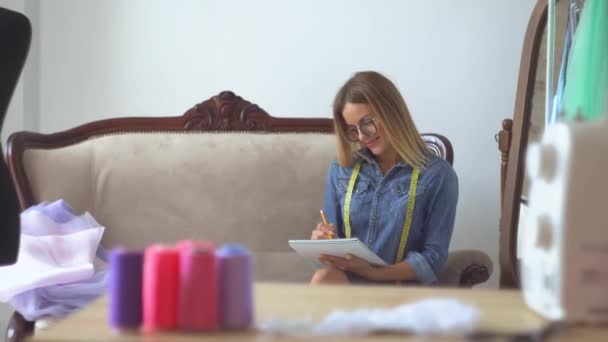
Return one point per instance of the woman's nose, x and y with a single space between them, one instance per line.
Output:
360 134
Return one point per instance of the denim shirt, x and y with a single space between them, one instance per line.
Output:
378 209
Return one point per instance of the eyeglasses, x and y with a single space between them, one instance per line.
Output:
367 127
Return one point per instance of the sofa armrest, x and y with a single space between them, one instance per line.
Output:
466 268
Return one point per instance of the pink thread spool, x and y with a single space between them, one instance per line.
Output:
198 295
160 287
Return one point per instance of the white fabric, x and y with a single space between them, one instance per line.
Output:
57 300
37 223
49 260
437 316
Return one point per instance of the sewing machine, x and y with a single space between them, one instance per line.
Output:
564 261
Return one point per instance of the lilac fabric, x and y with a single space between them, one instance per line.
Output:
60 211
58 218
59 300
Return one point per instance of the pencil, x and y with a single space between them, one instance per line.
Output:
331 234
323 217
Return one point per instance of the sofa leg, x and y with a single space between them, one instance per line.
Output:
19 328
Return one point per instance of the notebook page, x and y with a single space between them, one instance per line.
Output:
312 249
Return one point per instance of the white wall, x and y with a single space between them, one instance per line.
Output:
456 63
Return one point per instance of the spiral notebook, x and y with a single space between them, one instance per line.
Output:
312 249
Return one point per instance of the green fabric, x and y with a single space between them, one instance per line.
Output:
587 76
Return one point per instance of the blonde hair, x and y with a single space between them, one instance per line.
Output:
383 97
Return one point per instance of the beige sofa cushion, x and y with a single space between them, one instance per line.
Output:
258 189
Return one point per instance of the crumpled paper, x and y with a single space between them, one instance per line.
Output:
436 316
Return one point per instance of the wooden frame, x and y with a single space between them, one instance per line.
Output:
512 141
225 112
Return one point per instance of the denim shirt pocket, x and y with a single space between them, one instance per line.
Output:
360 192
400 194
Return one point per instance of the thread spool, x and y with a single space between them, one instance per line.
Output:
198 295
160 287
124 288
235 287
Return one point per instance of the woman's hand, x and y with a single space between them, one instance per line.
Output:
323 232
349 263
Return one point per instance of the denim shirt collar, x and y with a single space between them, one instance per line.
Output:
364 154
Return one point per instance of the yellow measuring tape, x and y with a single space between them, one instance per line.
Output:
408 215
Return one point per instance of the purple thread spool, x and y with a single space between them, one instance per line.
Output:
235 287
124 288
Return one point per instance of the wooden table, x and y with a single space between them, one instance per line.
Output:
502 312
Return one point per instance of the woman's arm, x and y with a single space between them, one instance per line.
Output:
439 224
351 263
400 271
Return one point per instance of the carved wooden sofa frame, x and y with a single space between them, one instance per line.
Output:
225 112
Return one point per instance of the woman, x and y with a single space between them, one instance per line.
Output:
385 171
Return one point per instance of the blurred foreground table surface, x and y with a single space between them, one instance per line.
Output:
503 312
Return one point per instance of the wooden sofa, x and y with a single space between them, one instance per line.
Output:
225 171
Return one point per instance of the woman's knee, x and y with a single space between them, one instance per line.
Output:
329 275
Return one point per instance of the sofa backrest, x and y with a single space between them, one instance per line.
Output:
225 171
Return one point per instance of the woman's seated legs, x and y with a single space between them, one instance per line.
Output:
329 275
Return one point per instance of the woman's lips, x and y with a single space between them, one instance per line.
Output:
372 142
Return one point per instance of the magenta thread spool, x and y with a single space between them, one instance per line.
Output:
235 287
198 295
124 288
160 287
